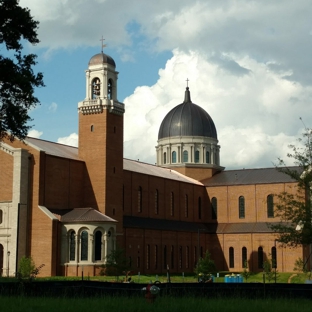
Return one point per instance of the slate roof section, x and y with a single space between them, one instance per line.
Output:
81 215
248 176
144 168
55 149
183 226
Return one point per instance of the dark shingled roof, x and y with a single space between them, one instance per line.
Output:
248 176
187 119
81 215
182 226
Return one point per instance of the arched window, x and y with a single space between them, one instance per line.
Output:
186 206
207 158
156 202
172 257
165 257
199 208
165 157
180 257
187 257
214 208
174 157
96 88
92 128
185 156
72 246
231 257
110 89
98 246
241 207
196 156
244 257
172 204
156 257
140 199
84 245
274 258
260 258
148 257
270 206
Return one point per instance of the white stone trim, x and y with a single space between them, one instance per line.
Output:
47 212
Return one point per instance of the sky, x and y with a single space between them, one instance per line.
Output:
248 63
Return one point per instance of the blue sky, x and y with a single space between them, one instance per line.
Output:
249 65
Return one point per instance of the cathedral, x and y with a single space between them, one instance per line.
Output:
69 207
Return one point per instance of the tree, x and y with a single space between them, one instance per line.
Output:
205 266
116 263
294 208
17 79
246 273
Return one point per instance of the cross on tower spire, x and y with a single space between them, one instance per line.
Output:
187 80
102 45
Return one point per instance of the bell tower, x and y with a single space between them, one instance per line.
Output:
101 138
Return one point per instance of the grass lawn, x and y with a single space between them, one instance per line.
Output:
139 304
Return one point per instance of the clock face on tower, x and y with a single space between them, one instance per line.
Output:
96 92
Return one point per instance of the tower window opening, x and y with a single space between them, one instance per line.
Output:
214 210
185 156
110 89
207 157
96 88
92 128
174 157
196 156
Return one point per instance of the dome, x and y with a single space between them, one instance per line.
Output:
101 58
187 119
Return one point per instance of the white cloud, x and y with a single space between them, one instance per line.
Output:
71 140
254 113
53 107
35 134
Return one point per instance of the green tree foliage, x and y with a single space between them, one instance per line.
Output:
205 265
26 266
246 273
269 269
116 263
294 208
17 79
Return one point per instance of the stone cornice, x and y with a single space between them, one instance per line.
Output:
7 148
97 106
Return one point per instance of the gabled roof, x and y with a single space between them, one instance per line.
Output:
81 215
248 176
55 149
144 168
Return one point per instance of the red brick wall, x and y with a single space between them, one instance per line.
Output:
6 176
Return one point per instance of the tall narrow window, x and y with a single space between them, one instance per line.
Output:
274 258
165 158
72 246
156 257
174 157
98 246
165 257
244 257
195 256
270 206
185 156
156 202
186 206
110 89
140 199
172 257
92 128
172 204
260 258
241 207
196 156
199 208
148 257
1 216
231 257
214 208
84 245
187 257
180 257
207 158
